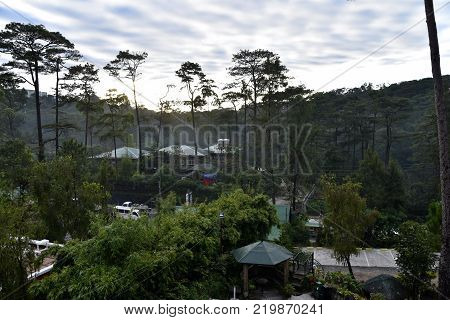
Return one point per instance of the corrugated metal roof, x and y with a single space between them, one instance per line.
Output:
182 150
124 152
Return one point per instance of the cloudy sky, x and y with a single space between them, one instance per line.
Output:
378 41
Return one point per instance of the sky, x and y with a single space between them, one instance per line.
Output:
326 44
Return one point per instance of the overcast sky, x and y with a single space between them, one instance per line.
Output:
316 39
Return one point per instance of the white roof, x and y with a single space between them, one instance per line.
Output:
182 150
215 149
313 223
124 152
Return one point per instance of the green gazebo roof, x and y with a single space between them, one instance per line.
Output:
262 253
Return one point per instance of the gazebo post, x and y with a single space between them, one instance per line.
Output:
245 279
286 272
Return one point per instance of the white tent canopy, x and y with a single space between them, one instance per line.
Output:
182 150
124 152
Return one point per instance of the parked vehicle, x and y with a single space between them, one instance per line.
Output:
129 210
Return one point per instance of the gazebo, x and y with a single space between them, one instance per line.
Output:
262 253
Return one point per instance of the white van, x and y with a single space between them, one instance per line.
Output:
129 210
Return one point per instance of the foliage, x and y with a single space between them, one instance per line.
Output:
295 232
126 65
288 290
64 198
383 188
106 174
347 287
247 218
80 80
175 256
115 123
346 220
16 161
415 257
167 205
434 223
12 103
382 234
30 47
18 223
126 168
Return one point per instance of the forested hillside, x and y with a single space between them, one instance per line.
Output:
397 121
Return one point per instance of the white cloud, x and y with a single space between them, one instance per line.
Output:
317 40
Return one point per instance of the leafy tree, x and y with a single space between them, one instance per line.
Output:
126 169
392 109
56 62
175 256
299 111
75 151
114 124
16 161
295 233
167 205
415 257
372 176
64 199
395 193
18 223
12 101
81 80
198 87
346 219
164 107
126 65
247 218
434 223
29 47
249 66
106 174
383 187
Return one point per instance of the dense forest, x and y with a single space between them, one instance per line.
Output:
396 121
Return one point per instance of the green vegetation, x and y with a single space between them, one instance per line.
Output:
346 286
295 233
346 220
176 256
378 143
415 257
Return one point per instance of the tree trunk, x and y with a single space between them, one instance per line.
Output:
138 121
57 109
255 96
354 153
194 129
374 130
86 127
361 130
245 135
294 190
444 264
336 135
114 141
38 112
350 270
195 134
387 156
